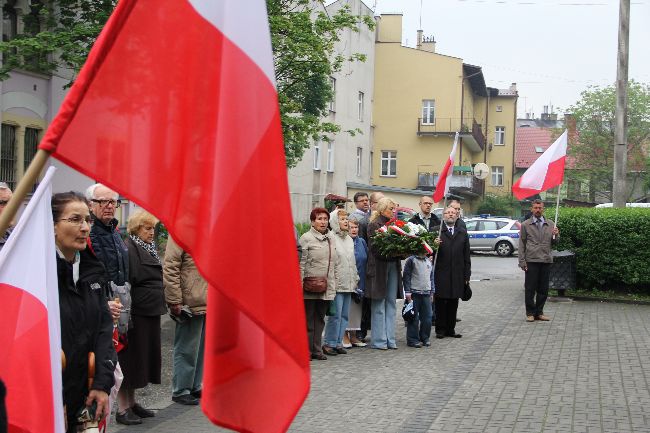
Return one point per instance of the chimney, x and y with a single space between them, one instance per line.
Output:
418 44
570 124
513 87
429 44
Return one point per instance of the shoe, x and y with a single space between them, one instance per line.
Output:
543 318
454 335
319 356
426 344
329 351
142 412
357 343
128 418
341 351
186 399
379 348
196 394
416 345
346 341
530 319
440 336
393 348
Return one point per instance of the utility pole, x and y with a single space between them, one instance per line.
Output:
620 136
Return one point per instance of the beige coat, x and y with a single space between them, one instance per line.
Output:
346 268
182 281
535 244
313 262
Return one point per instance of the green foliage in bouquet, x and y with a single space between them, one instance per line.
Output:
392 244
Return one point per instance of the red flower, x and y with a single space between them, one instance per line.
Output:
400 223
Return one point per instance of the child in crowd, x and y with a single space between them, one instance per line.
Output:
419 287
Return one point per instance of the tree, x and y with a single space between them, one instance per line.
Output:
58 35
592 150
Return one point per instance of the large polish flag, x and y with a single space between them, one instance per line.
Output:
30 328
176 108
545 173
442 187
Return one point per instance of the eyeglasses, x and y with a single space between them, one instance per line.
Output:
77 220
104 203
4 202
427 204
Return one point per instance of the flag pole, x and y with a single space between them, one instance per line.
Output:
442 220
557 206
24 187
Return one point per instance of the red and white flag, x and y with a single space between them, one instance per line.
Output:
177 110
442 187
30 328
545 173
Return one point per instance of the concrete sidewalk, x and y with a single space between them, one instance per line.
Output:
585 371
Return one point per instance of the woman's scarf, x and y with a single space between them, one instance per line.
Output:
149 247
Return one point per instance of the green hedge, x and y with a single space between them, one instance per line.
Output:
612 246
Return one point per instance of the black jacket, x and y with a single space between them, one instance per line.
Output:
434 222
453 264
86 326
110 249
147 295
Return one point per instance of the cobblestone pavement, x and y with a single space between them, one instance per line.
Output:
585 371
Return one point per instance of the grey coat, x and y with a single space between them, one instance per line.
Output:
377 269
535 244
314 261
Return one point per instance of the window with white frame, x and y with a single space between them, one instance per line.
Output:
388 163
428 111
497 175
330 156
360 106
500 135
317 155
333 101
359 159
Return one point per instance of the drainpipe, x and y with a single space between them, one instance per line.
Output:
462 110
514 141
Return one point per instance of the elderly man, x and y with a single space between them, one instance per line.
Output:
537 235
425 217
185 289
5 196
453 270
456 205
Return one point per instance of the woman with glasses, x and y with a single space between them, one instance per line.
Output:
141 359
86 324
383 281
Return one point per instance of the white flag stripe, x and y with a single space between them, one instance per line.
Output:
534 177
33 238
237 19
452 157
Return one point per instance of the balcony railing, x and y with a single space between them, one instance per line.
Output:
449 126
463 184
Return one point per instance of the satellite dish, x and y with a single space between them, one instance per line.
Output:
481 170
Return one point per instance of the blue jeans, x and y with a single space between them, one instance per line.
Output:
188 356
382 313
419 329
335 328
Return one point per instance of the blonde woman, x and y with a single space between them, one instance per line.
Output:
383 281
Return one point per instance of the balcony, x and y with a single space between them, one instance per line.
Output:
464 185
473 136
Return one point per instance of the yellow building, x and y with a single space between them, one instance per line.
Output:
421 99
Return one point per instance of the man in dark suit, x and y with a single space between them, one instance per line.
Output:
459 221
425 217
452 271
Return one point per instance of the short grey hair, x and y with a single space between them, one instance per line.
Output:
90 191
3 185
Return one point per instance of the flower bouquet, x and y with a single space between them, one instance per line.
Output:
398 239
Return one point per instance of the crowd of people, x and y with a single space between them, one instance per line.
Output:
363 286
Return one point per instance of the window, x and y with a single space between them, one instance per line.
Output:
8 156
428 111
333 101
330 156
9 22
360 106
359 159
31 144
471 225
497 176
500 135
317 155
499 108
388 163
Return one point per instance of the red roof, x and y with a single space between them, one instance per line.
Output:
526 142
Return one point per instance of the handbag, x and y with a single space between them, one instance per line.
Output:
467 293
318 284
408 313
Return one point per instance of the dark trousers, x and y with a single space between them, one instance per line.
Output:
536 283
419 329
446 315
365 318
315 310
